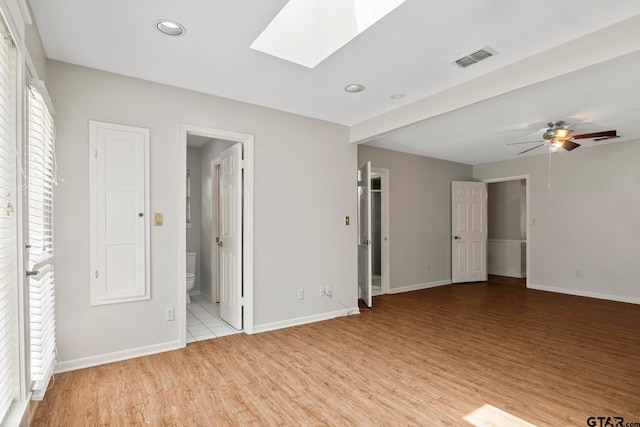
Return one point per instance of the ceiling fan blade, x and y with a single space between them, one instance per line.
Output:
570 145
526 151
526 142
606 135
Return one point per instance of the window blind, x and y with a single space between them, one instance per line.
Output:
8 227
41 178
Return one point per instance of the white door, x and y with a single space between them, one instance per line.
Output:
230 205
468 231
119 213
364 233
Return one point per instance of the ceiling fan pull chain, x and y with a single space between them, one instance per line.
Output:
549 179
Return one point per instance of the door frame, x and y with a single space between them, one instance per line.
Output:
247 141
527 214
385 283
215 228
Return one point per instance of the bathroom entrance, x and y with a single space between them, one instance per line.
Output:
379 231
218 168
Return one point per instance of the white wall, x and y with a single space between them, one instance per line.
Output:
504 210
194 232
419 214
301 241
507 257
208 152
588 222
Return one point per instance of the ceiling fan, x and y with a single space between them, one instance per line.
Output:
559 136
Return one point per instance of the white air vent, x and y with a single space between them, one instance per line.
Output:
477 56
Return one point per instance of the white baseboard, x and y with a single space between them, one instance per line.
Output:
304 320
507 273
117 356
204 294
419 286
580 293
194 293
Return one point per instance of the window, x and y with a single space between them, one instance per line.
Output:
9 350
41 179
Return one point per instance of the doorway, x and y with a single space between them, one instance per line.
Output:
205 317
380 273
243 286
508 230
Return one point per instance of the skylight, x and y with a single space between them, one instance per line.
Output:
307 32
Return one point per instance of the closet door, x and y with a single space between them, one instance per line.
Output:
119 159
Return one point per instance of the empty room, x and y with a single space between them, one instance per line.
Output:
396 212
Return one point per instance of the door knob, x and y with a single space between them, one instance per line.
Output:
220 243
33 273
456 237
140 214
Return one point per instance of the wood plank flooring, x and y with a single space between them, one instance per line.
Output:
424 358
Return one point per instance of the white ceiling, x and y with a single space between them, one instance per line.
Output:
410 51
601 97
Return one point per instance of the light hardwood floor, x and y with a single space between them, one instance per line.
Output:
424 358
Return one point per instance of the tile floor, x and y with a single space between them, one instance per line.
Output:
203 320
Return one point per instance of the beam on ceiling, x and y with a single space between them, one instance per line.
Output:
608 43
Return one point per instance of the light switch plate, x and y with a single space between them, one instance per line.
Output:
157 219
346 220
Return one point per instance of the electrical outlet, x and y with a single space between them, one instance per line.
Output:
428 267
579 273
169 314
323 291
300 294
328 290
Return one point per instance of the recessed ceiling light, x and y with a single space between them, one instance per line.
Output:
354 88
170 28
397 96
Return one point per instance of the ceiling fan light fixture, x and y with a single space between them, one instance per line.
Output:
558 136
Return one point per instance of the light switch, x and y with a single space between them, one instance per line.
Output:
346 220
157 219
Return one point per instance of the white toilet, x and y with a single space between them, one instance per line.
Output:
191 272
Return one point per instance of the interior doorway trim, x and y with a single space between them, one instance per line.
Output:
385 282
247 141
215 227
527 215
